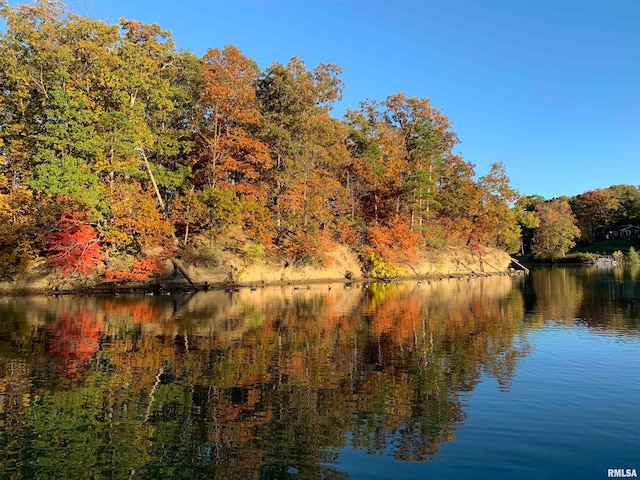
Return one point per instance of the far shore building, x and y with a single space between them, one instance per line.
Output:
622 232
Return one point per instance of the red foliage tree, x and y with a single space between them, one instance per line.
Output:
74 246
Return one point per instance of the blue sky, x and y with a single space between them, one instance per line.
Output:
550 88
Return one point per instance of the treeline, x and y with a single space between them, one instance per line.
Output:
550 228
119 151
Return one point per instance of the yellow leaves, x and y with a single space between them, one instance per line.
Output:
136 219
258 220
114 237
557 231
15 201
20 235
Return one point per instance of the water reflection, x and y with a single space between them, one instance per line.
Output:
261 384
606 299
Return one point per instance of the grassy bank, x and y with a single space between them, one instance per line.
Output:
607 247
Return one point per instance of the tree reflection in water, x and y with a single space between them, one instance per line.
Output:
604 298
267 384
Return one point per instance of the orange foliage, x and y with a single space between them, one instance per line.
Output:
311 247
140 270
234 159
345 234
137 220
293 200
312 201
395 242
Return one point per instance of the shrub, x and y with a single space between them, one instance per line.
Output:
74 246
254 252
139 270
586 257
632 256
379 268
312 248
202 254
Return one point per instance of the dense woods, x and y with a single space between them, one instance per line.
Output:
119 151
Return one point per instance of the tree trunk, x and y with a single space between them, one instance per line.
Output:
180 268
175 261
153 180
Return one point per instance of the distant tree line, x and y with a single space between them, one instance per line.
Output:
550 228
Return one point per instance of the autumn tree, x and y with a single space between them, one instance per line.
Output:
557 230
414 141
307 147
427 140
393 247
189 214
524 210
498 226
363 174
593 209
74 246
628 196
460 200
23 222
233 162
234 158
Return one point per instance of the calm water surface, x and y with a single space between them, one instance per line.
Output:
532 378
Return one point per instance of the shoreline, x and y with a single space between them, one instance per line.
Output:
168 288
434 265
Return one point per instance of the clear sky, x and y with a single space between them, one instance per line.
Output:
550 88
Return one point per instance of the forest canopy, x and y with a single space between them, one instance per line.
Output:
119 151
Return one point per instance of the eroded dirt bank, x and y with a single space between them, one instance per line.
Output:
345 266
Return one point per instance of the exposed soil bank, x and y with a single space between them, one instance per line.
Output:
232 271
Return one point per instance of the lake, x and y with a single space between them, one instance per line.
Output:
532 377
